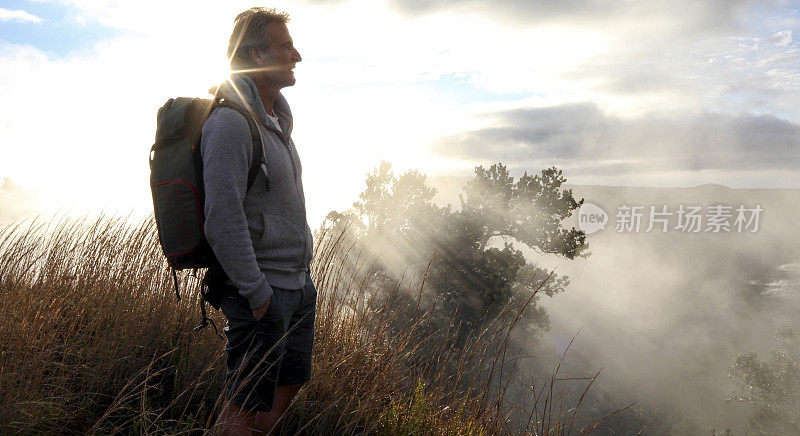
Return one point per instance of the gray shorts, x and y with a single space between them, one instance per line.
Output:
273 351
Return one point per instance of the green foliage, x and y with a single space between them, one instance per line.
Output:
469 256
771 388
410 417
530 210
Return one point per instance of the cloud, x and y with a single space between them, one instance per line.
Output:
590 141
625 56
715 13
782 38
430 70
16 202
629 56
92 154
18 15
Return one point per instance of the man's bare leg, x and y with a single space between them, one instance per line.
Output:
265 421
235 421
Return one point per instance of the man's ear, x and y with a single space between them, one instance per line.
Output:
255 54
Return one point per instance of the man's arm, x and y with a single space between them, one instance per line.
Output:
227 150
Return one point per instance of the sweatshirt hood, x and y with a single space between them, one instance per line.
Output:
242 89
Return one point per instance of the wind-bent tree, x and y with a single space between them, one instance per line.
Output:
476 267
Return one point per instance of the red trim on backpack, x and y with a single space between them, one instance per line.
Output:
179 254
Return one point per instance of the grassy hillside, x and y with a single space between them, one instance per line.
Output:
95 342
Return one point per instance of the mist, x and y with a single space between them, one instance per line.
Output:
662 315
666 313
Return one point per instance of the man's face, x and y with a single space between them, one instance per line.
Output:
278 59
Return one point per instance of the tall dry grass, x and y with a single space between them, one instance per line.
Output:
95 342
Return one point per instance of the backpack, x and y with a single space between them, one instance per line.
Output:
176 182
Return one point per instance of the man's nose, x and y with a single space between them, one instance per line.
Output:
296 56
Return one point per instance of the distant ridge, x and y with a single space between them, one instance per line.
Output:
712 186
448 189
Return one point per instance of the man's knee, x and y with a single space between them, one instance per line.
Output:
286 393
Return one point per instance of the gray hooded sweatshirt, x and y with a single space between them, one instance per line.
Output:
260 237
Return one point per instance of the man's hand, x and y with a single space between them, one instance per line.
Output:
258 313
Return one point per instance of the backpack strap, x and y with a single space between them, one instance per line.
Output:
258 147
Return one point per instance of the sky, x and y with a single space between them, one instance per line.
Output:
633 92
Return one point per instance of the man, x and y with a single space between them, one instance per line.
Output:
259 234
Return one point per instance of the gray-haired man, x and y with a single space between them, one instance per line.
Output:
259 235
